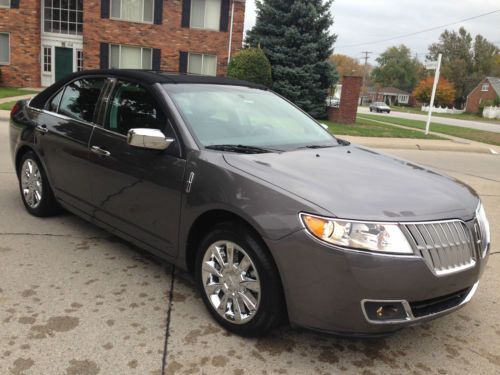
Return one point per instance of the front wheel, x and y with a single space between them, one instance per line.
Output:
238 281
35 190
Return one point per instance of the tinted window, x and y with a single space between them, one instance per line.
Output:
80 98
53 103
132 107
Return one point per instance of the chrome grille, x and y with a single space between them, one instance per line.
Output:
446 246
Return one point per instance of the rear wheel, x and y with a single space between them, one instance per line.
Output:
238 281
35 190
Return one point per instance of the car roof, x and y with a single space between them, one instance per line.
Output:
147 77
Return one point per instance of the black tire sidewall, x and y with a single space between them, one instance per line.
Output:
270 311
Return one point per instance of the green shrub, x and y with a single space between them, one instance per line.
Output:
251 64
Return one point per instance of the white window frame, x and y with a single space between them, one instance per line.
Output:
120 55
47 59
202 62
204 18
6 6
121 18
9 56
485 85
77 11
79 60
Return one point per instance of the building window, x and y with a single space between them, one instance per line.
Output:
133 10
126 57
202 64
79 60
4 48
4 3
485 87
47 59
205 14
63 16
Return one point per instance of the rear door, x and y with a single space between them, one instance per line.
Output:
63 135
137 191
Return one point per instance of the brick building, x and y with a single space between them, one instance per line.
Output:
43 40
488 89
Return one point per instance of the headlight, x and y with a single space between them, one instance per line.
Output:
484 227
382 237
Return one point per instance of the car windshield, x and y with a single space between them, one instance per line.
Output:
380 103
221 115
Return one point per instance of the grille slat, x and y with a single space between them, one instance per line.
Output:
446 246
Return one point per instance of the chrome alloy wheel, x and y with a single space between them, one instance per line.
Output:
31 183
231 282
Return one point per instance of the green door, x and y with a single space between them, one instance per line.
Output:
64 62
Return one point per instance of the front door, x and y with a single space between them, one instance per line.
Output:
64 62
136 190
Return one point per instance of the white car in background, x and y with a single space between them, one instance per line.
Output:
380 107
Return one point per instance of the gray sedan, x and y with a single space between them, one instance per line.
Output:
277 219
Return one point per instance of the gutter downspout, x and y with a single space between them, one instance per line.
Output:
230 33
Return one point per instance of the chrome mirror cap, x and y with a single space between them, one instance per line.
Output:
152 139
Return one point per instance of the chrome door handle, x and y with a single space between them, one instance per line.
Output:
42 128
99 151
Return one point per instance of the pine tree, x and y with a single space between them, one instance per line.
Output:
295 37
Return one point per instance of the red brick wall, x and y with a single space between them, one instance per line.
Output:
348 106
170 37
24 27
477 96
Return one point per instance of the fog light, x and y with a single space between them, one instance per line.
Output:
380 311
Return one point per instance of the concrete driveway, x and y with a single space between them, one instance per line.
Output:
492 127
76 301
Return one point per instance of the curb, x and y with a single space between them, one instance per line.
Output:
422 147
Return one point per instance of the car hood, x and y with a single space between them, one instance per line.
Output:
353 182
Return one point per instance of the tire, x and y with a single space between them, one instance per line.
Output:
371 110
267 298
34 187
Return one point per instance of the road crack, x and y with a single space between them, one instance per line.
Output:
167 328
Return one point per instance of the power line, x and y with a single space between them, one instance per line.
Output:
417 32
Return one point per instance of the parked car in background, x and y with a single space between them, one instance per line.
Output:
276 218
380 107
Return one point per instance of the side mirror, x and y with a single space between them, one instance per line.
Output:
152 139
324 126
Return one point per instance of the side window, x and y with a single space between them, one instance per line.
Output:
132 107
80 98
53 103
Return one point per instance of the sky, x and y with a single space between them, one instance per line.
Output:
369 21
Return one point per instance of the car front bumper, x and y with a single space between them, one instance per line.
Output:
326 287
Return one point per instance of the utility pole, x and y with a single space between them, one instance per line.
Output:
437 66
367 54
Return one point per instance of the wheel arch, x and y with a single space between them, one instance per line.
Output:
202 224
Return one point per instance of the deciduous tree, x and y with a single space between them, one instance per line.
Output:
445 92
397 68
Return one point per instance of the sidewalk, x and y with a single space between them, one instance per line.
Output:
424 144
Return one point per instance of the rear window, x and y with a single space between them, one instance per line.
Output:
80 98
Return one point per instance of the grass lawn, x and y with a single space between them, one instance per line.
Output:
6 92
366 128
463 116
7 106
467 133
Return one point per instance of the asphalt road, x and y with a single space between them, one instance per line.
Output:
76 301
492 127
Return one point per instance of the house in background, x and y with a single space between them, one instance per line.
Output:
389 95
487 89
41 41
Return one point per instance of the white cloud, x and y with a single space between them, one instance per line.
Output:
366 21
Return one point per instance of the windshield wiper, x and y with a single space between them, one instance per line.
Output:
317 146
244 149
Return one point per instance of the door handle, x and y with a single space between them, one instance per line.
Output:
42 128
99 151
